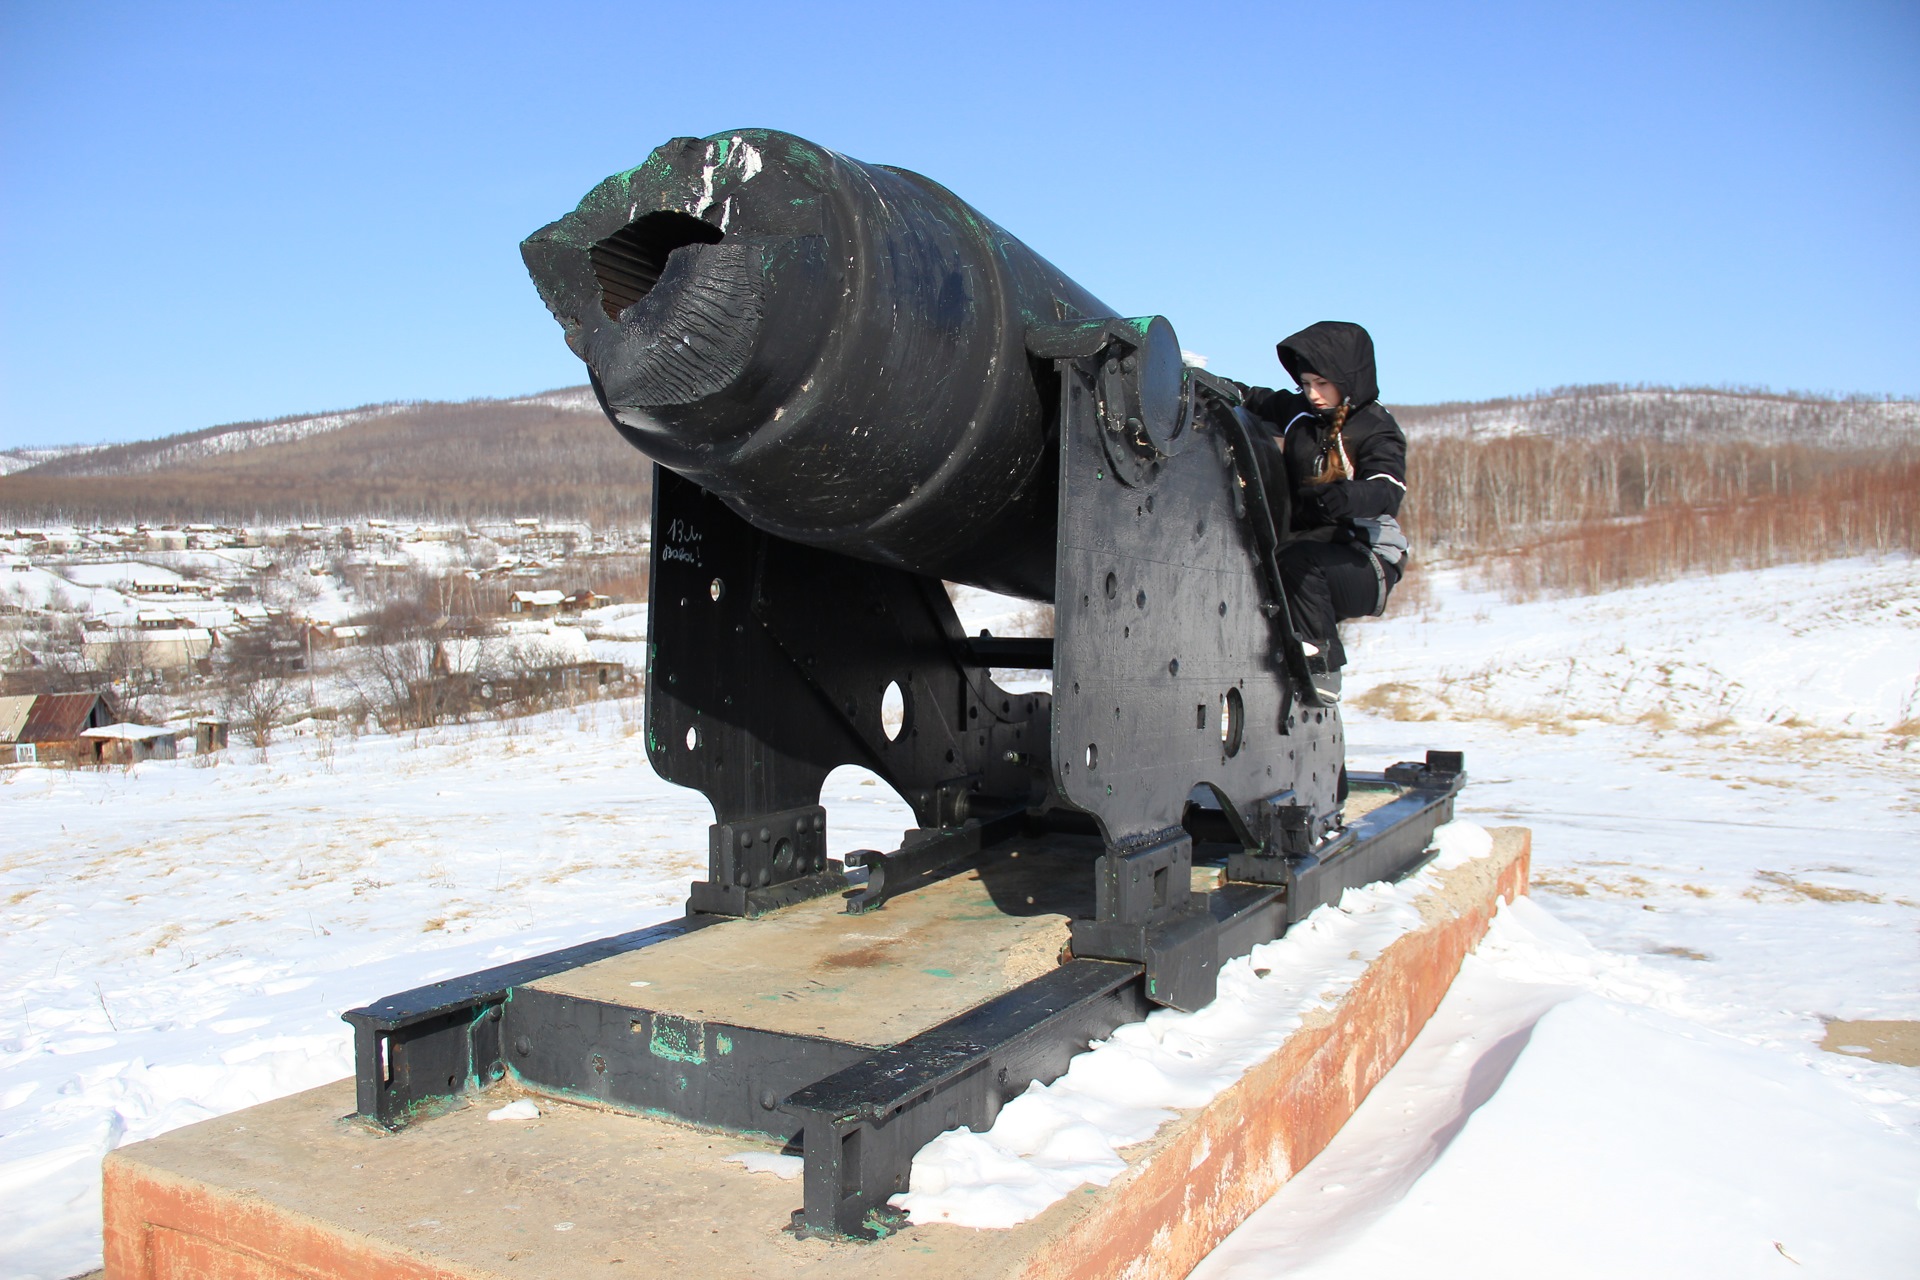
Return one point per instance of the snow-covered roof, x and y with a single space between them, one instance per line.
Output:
172 646
515 651
130 732
544 599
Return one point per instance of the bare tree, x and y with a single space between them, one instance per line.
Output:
257 707
397 678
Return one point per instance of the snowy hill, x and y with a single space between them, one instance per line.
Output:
187 447
12 460
1683 415
548 455
1655 413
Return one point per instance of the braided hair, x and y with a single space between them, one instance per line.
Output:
1335 467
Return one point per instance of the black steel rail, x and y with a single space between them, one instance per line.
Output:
424 1047
860 1114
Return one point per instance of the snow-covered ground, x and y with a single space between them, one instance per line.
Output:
1719 778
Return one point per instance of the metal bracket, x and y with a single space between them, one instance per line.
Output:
418 1050
761 864
926 855
1146 911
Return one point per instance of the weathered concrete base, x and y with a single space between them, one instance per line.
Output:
294 1190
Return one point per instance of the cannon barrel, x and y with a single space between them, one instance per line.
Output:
837 350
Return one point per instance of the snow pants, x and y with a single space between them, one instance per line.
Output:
1329 582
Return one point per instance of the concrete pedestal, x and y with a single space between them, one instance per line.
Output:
299 1190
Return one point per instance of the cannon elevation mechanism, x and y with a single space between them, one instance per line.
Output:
853 387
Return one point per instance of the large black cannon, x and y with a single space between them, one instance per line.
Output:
837 349
855 389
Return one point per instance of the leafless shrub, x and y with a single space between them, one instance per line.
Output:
256 707
397 680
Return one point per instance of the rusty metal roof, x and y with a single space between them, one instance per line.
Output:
62 717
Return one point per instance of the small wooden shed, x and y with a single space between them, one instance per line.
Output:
131 743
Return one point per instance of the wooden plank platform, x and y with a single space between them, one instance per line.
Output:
875 979
298 1190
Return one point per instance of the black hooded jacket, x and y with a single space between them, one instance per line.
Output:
1376 448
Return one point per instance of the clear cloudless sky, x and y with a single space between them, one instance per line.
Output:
218 212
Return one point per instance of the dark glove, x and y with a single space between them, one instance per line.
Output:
1332 501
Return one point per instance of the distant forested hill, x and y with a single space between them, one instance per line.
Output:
550 455
1485 469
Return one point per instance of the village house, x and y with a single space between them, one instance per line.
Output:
539 604
171 587
584 598
159 648
13 718
526 661
328 636
22 671
50 728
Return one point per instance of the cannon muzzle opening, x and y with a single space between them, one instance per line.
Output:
628 263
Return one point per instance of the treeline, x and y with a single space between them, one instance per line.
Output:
1682 415
444 462
1586 515
1578 489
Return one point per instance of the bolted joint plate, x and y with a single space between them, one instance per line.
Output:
759 864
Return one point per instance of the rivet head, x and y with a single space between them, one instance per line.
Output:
522 1046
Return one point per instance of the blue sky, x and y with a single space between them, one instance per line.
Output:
210 213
